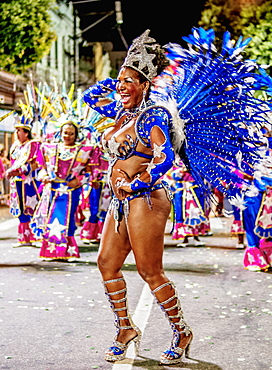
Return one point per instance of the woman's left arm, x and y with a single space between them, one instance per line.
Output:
154 129
162 161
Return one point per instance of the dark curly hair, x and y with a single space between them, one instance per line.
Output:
160 61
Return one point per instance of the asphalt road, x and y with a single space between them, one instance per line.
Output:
55 316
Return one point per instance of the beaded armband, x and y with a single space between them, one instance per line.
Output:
100 91
160 117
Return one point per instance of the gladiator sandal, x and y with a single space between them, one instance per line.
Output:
122 320
171 304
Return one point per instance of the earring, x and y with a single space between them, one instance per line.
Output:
119 104
143 102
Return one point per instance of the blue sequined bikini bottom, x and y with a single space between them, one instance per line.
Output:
120 208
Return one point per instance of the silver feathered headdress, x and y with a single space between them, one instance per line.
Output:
140 56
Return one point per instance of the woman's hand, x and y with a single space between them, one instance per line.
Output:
12 173
46 180
122 184
73 183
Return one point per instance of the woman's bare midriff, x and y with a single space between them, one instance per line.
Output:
132 167
128 170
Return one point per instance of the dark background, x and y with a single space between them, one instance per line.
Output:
167 20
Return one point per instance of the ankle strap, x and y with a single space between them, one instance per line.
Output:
120 318
172 307
118 300
117 292
169 299
113 280
162 286
120 309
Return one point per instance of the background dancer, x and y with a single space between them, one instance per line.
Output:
189 214
63 173
24 186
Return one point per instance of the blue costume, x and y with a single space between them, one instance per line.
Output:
201 107
215 111
152 115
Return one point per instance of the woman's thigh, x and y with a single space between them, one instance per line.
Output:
114 246
146 227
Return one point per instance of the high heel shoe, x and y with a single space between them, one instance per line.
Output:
167 298
118 351
174 354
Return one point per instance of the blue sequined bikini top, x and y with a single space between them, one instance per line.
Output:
121 145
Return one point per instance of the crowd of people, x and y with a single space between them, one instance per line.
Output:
4 183
88 201
151 159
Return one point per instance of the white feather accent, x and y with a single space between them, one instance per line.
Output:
239 159
178 123
237 201
252 191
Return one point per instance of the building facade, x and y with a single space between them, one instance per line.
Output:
62 63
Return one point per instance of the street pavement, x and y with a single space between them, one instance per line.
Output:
55 316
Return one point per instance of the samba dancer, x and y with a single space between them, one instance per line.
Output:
140 145
258 224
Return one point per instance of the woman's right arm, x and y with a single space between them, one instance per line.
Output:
100 97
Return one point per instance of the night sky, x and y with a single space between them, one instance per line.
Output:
167 20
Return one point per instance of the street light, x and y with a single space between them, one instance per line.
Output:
119 21
118 12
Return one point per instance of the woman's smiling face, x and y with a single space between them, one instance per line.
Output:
130 88
68 134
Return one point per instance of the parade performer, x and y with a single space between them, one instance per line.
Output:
99 194
24 185
66 166
142 146
189 213
258 225
2 175
237 228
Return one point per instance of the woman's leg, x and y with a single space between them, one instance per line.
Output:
114 248
146 230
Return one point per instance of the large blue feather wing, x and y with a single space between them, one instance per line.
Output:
217 109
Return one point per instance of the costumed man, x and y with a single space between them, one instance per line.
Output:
24 186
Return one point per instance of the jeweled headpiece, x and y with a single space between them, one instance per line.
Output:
23 122
32 117
141 54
